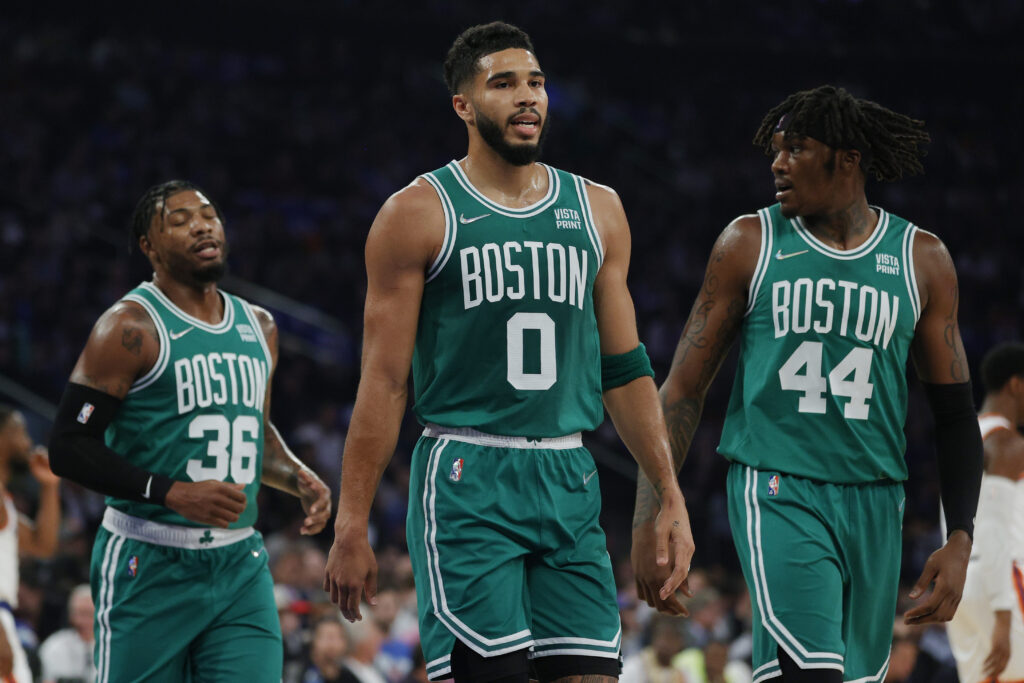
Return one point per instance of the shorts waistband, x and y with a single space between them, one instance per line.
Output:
173 535
469 435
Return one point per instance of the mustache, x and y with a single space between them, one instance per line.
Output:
524 110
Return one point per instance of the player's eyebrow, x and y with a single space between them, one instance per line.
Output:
536 73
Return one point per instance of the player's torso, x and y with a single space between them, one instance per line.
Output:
988 531
197 415
820 390
9 553
507 341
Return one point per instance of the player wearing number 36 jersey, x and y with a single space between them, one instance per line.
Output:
501 282
829 298
168 413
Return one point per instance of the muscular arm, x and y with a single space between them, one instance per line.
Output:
122 347
634 407
403 240
938 355
708 335
281 469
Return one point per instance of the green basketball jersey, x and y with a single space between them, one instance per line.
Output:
507 340
197 415
820 390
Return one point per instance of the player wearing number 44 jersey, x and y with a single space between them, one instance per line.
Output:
168 413
501 282
829 296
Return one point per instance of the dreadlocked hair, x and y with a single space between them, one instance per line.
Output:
891 145
156 197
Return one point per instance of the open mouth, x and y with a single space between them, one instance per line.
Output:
782 188
526 124
207 249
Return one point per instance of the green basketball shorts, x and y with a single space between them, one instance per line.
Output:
177 603
822 564
506 548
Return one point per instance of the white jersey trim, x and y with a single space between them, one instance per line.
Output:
163 340
588 219
451 228
763 259
171 535
554 185
220 328
845 255
469 435
254 321
909 275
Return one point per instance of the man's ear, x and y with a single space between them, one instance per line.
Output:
464 108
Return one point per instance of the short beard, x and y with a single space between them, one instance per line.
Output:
517 155
212 273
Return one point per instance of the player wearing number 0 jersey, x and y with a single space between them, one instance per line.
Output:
987 633
829 297
501 282
167 412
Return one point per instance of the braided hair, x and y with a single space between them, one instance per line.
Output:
891 144
157 196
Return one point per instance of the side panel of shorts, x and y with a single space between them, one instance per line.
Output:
507 552
970 631
155 605
821 562
570 582
21 671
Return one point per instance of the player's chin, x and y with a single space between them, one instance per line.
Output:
210 272
789 209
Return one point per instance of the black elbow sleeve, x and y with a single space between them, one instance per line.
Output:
79 452
959 449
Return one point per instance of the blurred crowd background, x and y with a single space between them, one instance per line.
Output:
301 120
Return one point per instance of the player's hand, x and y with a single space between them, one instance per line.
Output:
39 466
351 571
6 656
316 501
650 576
945 571
999 656
214 503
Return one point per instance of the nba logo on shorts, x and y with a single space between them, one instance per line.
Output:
86 412
133 566
773 485
456 473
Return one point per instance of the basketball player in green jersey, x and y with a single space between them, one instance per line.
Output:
168 413
502 283
829 296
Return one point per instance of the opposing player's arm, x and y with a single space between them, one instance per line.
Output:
634 406
938 355
122 347
281 469
39 538
405 238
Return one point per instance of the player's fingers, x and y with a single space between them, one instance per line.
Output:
672 606
371 586
661 545
923 581
674 580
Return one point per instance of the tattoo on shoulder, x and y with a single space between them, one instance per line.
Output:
131 339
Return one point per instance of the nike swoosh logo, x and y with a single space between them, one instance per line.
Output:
587 477
149 483
779 255
474 219
179 335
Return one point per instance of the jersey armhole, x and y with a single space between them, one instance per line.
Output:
164 354
258 329
450 227
909 275
588 218
763 258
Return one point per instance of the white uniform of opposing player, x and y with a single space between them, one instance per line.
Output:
9 590
995 575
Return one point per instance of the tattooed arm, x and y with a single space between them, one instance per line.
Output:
938 354
281 469
712 327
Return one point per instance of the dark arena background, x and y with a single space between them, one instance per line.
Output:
301 118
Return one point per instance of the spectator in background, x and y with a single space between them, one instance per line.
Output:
711 664
653 664
327 654
366 639
18 536
67 654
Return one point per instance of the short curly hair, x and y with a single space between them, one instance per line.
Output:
1001 364
475 42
